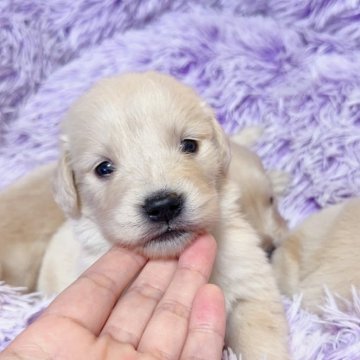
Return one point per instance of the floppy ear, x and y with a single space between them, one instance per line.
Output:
64 187
223 143
221 139
280 181
248 136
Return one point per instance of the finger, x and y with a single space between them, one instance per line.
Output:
207 325
90 299
133 311
166 332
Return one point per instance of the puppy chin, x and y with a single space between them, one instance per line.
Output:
168 246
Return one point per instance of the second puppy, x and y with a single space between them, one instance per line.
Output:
322 251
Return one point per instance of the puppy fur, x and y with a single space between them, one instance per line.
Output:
28 219
321 252
259 191
137 122
26 234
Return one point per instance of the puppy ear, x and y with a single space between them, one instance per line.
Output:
248 136
280 181
65 192
223 144
221 139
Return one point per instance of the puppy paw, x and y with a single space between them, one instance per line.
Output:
257 329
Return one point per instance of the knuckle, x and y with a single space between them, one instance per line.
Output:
122 335
146 291
188 271
174 307
100 281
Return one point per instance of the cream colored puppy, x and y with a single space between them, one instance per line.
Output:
144 164
259 191
29 215
323 251
28 219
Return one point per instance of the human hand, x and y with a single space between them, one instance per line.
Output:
124 307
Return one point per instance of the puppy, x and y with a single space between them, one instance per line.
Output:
258 203
259 191
25 234
144 164
323 251
28 219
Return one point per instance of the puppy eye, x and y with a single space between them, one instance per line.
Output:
189 146
104 169
271 200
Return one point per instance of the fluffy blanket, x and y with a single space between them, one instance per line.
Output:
291 66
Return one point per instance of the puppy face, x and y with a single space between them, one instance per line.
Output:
259 191
143 159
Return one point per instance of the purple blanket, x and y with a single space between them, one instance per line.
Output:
291 66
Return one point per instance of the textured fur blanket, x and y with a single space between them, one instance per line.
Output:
290 66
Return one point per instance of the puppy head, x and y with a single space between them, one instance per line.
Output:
143 159
259 190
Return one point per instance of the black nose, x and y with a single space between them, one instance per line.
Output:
163 206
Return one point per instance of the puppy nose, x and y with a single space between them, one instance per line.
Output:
163 206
